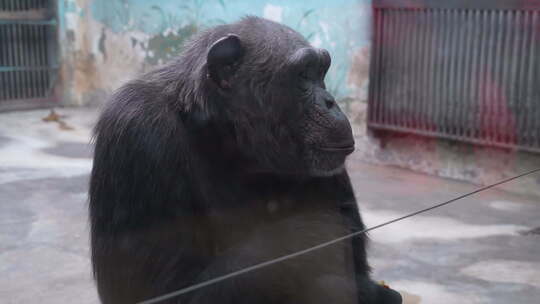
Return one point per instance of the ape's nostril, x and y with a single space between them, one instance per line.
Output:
329 103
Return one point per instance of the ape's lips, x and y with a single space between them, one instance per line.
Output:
347 147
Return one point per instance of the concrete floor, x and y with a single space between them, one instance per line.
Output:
482 249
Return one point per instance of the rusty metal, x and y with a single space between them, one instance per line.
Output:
28 53
459 70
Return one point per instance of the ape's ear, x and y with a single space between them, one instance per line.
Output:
223 60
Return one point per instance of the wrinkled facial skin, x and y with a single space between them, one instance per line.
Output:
289 124
324 130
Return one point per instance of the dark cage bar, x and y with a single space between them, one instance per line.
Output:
28 53
457 69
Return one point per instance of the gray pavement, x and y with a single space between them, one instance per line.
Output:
482 249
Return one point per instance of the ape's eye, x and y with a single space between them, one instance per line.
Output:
304 75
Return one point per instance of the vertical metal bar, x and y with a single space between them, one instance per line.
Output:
389 18
374 69
3 61
45 54
444 102
460 61
20 58
20 87
385 30
519 113
38 61
452 81
435 21
410 41
532 88
476 81
431 72
440 101
13 62
482 78
389 89
47 46
501 79
9 83
29 60
42 61
489 88
415 50
20 55
508 73
389 74
423 89
409 106
17 83
24 53
511 100
421 32
402 85
33 61
399 82
482 82
468 74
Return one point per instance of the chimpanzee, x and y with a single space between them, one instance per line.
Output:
231 155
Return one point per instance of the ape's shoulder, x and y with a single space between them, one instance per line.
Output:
136 107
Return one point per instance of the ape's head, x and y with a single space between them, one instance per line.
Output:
270 85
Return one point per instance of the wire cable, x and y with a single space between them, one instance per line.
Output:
326 244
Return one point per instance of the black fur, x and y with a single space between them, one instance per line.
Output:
229 156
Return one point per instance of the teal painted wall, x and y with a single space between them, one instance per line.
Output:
153 31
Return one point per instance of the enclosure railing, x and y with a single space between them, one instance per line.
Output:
457 69
28 52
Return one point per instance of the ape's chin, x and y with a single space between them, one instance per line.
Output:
323 163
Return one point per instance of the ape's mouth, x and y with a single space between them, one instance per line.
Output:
338 148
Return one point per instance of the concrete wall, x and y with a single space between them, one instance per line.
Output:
106 42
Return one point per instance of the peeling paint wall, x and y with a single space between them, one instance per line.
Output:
106 42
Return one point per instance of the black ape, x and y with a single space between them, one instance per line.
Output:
229 156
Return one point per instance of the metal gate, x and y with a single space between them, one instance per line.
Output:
457 69
28 53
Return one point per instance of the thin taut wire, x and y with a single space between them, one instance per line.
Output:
322 245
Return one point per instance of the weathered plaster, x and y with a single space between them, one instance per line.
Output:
106 42
95 60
